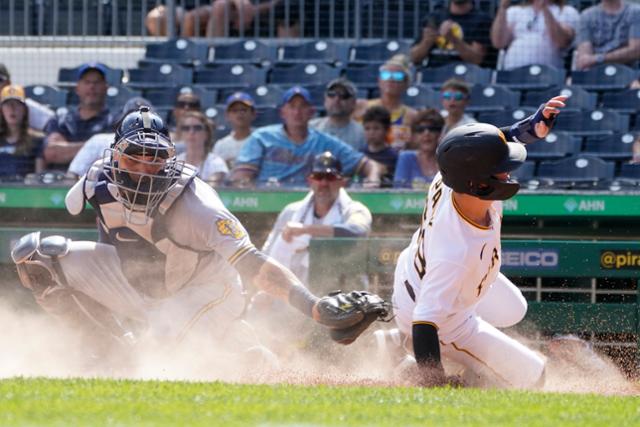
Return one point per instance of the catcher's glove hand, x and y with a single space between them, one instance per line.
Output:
349 314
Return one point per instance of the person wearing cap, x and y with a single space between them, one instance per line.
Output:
393 80
67 132
96 146
326 211
20 147
340 103
455 95
282 154
39 114
240 113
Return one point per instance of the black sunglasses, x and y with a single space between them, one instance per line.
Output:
187 104
187 128
343 96
323 176
422 128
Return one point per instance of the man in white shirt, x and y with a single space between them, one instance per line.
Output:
240 112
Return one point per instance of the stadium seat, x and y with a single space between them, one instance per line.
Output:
524 173
492 98
230 75
470 73
617 146
630 171
596 122
315 51
69 76
364 75
183 51
47 95
378 52
531 77
626 101
248 51
505 118
267 116
556 145
579 99
116 97
160 76
304 74
605 77
166 98
421 96
264 95
581 170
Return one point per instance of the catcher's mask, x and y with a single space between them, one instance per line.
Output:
470 157
142 164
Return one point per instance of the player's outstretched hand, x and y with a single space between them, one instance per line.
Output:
350 314
550 111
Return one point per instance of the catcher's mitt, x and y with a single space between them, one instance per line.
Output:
349 314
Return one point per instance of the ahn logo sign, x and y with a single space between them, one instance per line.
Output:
529 257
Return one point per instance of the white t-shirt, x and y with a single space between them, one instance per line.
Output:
91 151
451 262
229 147
212 164
39 114
531 42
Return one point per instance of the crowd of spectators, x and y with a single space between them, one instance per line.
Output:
380 142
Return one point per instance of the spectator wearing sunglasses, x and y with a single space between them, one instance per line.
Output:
416 168
393 80
195 131
536 32
186 101
240 113
455 95
340 103
282 154
326 211
377 123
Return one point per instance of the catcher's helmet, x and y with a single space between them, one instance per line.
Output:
142 139
471 155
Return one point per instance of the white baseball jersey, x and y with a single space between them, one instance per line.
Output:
442 277
182 258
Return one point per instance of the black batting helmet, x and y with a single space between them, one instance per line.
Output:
471 155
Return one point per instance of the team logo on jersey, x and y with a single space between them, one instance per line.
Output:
229 227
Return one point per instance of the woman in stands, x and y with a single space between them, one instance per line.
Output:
196 132
536 32
416 168
393 80
20 147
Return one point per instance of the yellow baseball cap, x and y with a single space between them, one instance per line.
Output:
12 92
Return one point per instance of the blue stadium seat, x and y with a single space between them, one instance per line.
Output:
421 96
364 75
617 146
531 77
505 118
556 145
630 171
267 116
378 52
178 50
524 173
304 74
329 52
264 95
47 95
248 51
160 76
470 73
492 98
230 75
596 122
69 76
605 77
162 98
579 99
626 101
581 170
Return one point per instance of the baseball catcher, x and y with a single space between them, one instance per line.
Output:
170 257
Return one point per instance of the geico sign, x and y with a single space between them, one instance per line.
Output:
524 258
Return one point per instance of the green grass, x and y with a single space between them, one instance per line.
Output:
119 403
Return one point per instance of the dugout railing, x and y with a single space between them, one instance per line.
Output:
587 288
